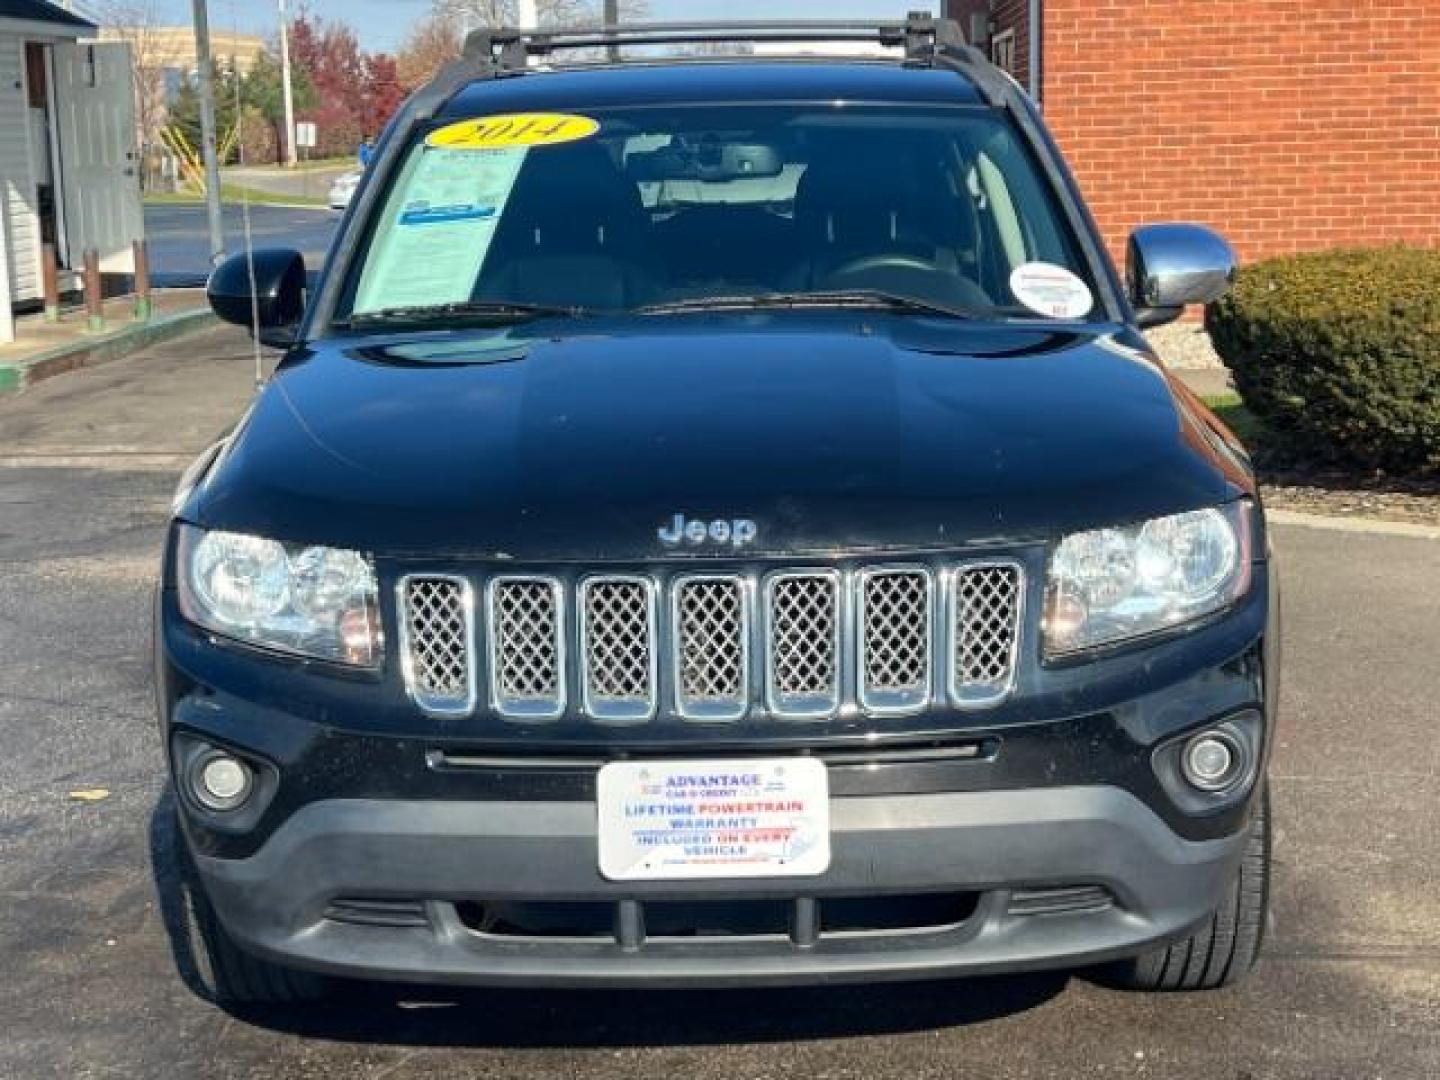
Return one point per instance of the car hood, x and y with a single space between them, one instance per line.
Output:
831 432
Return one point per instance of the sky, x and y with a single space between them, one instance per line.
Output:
383 24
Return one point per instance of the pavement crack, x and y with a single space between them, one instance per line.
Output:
395 1066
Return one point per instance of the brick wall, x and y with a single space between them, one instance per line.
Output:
1286 124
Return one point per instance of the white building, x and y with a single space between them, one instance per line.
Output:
68 169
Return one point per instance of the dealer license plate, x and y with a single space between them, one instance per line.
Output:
690 820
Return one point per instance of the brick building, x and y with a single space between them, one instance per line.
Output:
1287 124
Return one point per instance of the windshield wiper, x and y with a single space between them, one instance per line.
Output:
863 299
503 311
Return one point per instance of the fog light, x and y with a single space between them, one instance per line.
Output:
221 782
1212 761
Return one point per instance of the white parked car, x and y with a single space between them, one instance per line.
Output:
343 190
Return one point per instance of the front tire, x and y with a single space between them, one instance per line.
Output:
227 974
1225 948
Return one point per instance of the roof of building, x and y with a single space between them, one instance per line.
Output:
42 11
694 82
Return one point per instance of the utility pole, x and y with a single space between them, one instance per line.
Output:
612 19
291 156
206 68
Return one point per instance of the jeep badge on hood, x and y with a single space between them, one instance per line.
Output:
736 533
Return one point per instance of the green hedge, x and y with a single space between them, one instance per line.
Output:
1339 354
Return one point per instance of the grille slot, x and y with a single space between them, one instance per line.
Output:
803 643
985 632
711 618
896 628
361 911
618 636
438 650
1060 900
526 647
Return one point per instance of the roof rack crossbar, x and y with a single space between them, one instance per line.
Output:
921 35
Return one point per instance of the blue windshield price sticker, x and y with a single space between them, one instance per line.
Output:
444 215
438 230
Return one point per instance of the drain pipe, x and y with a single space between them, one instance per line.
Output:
1036 48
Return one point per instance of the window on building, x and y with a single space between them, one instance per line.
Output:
1002 50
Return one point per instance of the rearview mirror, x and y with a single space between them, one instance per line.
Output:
1170 266
713 163
273 305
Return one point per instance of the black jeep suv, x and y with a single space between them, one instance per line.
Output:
717 521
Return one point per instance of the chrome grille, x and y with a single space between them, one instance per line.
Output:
526 647
878 636
618 634
803 672
712 649
896 625
437 643
985 632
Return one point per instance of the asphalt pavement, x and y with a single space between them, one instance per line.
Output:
179 237
1349 986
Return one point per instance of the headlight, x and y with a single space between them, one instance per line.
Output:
1114 584
313 601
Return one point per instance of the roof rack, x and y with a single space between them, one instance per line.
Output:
920 34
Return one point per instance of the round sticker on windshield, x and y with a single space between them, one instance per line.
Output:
513 130
1051 290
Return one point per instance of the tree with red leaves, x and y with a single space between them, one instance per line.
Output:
329 53
383 93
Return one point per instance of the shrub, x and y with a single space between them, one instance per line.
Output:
1339 354
337 130
258 142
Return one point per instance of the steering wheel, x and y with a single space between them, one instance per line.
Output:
887 261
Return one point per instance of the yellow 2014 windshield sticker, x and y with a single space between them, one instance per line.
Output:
513 130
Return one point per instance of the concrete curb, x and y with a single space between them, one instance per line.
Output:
99 350
291 206
1368 526
278 203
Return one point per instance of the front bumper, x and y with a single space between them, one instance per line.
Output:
277 902
373 810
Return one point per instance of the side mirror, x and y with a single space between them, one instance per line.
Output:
277 296
1170 266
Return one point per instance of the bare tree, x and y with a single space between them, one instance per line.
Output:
477 13
717 49
440 37
431 45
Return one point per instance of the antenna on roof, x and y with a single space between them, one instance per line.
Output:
246 226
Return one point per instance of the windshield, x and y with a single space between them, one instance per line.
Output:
642 209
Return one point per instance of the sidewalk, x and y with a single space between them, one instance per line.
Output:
307 182
1207 382
42 349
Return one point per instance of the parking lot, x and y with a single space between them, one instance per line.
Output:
1349 986
180 241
